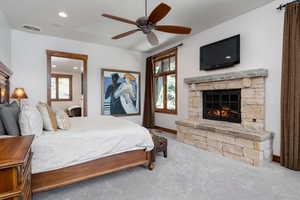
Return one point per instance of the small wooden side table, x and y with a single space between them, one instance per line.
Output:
15 168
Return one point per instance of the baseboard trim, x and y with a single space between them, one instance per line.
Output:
276 159
166 130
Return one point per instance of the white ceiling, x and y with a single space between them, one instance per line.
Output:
85 22
66 65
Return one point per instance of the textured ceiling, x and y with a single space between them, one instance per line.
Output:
85 22
66 65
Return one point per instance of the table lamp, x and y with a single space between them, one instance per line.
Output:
19 93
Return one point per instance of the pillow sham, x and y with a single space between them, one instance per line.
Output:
63 120
30 120
9 114
48 116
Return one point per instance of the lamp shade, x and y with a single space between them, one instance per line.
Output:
19 93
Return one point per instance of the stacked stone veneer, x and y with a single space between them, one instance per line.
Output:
247 142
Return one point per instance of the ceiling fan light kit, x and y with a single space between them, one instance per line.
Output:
148 24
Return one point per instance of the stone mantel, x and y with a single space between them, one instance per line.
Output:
252 85
227 76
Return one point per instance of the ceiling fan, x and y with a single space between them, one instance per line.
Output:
147 24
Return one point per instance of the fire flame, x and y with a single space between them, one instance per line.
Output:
223 112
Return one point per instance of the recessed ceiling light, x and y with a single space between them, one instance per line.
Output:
63 14
75 68
53 66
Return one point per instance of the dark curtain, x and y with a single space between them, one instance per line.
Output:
148 119
290 102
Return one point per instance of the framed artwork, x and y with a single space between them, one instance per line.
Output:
121 94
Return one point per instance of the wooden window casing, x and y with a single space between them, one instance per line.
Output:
164 75
57 77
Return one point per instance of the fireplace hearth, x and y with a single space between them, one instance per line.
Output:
222 105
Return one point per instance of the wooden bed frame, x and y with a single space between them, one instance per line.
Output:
57 178
53 179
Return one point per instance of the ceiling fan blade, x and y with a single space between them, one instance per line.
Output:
119 19
152 39
173 29
125 34
159 13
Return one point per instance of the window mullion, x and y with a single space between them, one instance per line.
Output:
165 93
57 88
70 88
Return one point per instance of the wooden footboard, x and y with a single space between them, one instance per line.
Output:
57 178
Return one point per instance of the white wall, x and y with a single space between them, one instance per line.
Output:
261 47
30 70
5 40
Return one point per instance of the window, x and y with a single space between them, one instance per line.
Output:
165 82
61 87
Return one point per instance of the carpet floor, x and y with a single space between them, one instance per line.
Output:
188 173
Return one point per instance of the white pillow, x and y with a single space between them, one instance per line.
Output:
63 120
48 117
30 120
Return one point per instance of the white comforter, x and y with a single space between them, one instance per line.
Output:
88 139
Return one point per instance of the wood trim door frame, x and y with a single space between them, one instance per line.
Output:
84 58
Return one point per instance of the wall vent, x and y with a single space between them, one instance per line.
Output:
31 28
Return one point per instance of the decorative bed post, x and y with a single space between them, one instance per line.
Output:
5 74
150 159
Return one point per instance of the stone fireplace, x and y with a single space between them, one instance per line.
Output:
227 116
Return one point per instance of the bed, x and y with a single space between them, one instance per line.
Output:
94 146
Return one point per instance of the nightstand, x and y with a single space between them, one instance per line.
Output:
15 168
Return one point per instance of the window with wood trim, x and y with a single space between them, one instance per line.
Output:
165 82
61 87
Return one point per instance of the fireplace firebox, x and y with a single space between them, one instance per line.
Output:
222 105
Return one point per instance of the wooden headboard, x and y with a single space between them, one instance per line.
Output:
5 74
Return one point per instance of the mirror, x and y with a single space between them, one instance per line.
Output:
67 83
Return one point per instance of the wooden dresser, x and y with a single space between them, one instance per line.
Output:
15 168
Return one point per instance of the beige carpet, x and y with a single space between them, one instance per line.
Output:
187 174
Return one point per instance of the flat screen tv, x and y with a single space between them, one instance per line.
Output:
221 54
